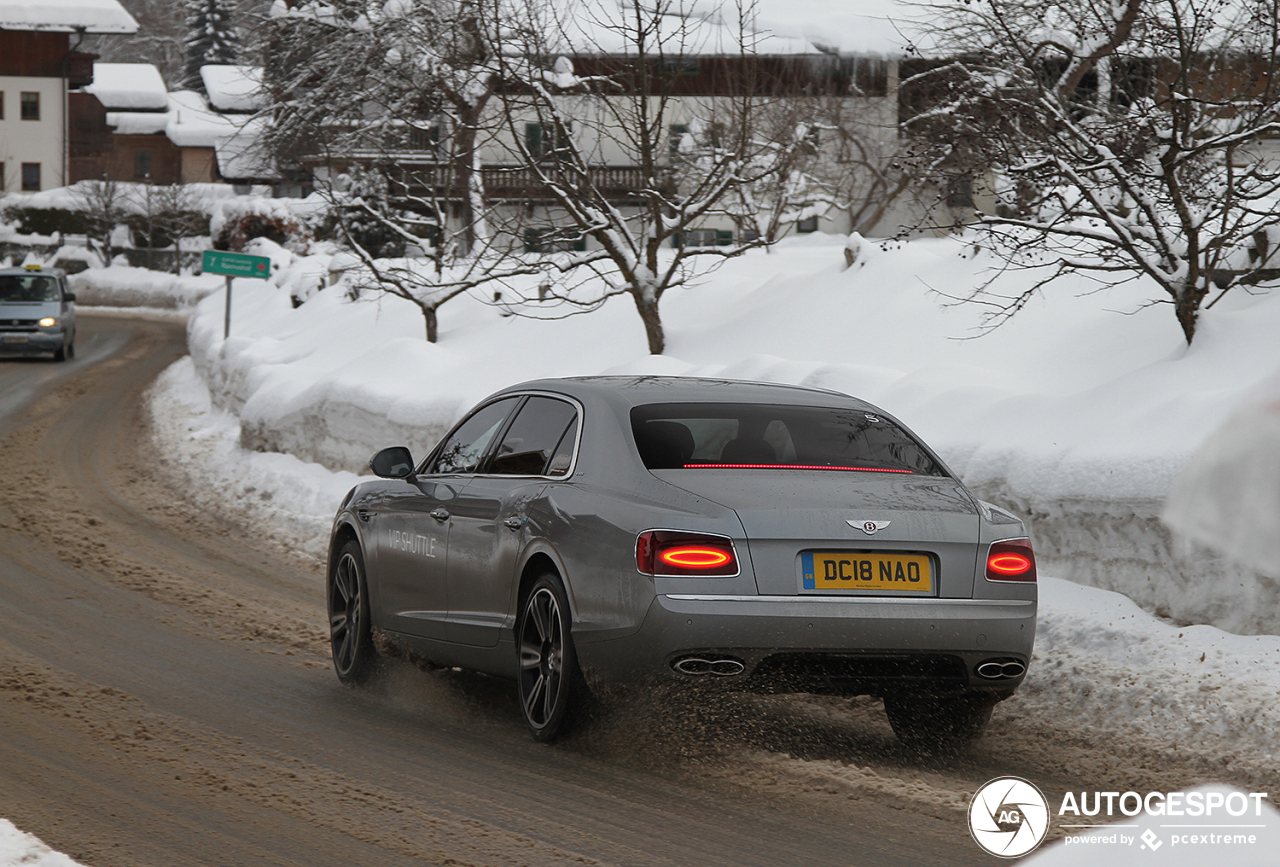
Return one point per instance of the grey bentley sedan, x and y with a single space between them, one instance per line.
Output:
574 533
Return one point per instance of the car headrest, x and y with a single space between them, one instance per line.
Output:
748 451
664 445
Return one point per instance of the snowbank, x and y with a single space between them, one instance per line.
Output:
1228 496
201 452
1105 667
1073 413
124 286
18 849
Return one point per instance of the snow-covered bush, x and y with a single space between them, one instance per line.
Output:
237 221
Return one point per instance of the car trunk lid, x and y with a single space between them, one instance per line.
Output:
788 513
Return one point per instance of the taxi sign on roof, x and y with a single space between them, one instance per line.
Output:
236 264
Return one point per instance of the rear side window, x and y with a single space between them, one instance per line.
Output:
539 441
772 437
467 445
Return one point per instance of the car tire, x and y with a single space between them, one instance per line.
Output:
550 685
60 354
938 724
350 630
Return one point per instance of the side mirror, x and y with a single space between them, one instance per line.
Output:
392 463
68 296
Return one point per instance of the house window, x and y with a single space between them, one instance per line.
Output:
30 105
960 192
427 139
142 164
545 140
703 238
809 224
534 134
31 177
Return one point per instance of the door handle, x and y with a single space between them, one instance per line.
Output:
440 513
513 523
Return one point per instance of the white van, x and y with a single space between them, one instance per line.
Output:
37 313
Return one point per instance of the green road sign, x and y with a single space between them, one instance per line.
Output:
236 264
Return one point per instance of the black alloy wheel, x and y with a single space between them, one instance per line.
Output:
550 683
350 633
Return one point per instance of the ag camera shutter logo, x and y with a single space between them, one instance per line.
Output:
1008 817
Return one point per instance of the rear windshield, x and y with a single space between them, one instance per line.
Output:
14 287
769 437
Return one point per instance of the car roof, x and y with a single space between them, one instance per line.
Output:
20 271
640 390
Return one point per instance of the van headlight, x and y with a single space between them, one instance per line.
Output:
48 322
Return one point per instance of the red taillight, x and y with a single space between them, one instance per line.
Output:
668 552
695 557
1011 560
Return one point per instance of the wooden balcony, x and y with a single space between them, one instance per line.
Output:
620 185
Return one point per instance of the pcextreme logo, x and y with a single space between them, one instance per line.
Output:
1008 817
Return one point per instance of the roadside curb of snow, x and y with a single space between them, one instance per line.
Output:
286 498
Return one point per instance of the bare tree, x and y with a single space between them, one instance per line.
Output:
625 153
105 205
165 214
1132 140
377 82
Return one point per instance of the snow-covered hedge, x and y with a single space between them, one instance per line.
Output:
123 286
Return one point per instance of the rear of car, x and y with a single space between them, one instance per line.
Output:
37 314
859 565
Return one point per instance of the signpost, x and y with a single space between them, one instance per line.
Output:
234 265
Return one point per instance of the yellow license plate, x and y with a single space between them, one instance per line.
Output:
865 570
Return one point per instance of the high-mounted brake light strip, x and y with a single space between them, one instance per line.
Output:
791 467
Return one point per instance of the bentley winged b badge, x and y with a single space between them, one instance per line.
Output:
869 527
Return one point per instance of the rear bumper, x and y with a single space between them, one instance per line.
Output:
823 644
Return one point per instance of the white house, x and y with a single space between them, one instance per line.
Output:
42 125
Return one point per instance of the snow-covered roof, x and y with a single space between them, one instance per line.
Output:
65 16
138 122
129 87
232 87
191 123
771 27
880 28
241 155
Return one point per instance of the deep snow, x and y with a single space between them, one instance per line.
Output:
1078 413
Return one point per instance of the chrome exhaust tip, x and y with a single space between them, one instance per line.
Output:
995 669
720 667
